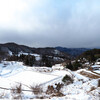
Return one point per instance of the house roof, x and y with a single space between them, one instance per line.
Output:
95 66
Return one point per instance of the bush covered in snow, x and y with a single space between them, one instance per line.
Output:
67 79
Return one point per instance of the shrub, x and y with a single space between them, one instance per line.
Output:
58 87
17 89
67 79
50 89
55 91
37 89
17 92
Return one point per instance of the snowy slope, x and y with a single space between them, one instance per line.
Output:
12 73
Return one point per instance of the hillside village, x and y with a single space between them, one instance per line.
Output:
54 75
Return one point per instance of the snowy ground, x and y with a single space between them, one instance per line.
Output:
12 73
97 71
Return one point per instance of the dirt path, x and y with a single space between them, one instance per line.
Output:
90 75
96 73
53 80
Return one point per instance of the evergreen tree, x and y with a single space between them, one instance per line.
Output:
69 66
46 61
76 65
29 60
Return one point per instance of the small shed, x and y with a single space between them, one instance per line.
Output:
95 67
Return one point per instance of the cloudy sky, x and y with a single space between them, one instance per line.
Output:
41 23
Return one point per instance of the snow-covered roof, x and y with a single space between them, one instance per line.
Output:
97 63
95 66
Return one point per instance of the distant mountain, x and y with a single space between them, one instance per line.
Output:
13 48
91 55
65 53
72 51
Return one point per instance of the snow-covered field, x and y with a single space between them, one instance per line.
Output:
13 73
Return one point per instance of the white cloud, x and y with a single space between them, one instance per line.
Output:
51 22
19 14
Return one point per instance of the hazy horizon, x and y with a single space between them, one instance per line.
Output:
51 23
52 46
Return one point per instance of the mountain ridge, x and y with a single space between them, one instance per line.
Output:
16 48
72 51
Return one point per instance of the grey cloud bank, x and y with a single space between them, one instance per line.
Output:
41 23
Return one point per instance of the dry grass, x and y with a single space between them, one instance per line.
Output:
55 91
36 89
50 89
96 73
58 94
17 92
90 75
99 83
58 87
92 88
17 89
